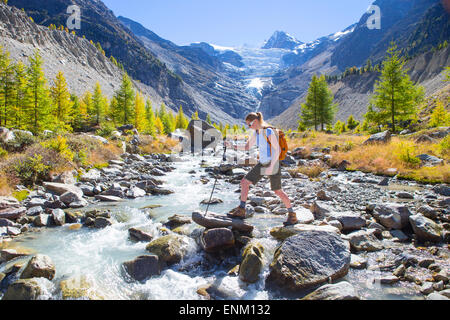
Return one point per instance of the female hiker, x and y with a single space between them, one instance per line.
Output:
266 139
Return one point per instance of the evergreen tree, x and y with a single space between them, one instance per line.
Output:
395 97
208 119
439 116
6 87
76 117
85 105
39 113
195 116
170 126
61 99
140 120
97 109
159 125
181 122
125 101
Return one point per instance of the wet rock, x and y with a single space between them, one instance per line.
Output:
169 249
212 202
59 217
177 220
42 220
24 289
102 222
309 259
252 262
12 213
139 235
388 279
79 287
364 241
282 233
143 267
12 231
9 254
40 266
392 215
214 240
154 190
382 137
214 220
339 291
425 229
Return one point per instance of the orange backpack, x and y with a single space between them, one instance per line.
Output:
281 140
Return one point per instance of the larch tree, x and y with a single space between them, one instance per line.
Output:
21 100
61 99
395 97
6 87
98 106
125 101
140 120
150 115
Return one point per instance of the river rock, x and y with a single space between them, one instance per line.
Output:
23 289
428 212
350 221
339 291
392 215
78 287
12 213
42 220
34 211
443 190
155 190
436 296
358 262
304 215
252 263
321 209
382 137
364 241
61 188
40 266
105 198
214 220
177 220
214 240
91 176
102 222
65 178
135 192
8 223
309 259
8 202
282 233
143 267
9 254
59 217
139 235
88 190
212 202
169 249
426 229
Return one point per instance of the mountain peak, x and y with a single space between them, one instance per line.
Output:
282 40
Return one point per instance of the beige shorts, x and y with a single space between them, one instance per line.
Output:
256 174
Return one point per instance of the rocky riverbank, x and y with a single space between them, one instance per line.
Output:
392 234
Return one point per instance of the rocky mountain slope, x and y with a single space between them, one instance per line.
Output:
353 92
282 40
82 63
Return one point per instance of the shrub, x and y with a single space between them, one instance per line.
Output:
31 170
59 144
3 153
105 131
406 153
21 195
348 146
444 146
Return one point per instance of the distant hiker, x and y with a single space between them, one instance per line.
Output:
272 148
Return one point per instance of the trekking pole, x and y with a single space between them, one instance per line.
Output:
217 176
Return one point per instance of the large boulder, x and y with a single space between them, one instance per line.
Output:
252 263
214 240
339 291
214 220
143 267
443 190
23 289
40 266
71 197
350 221
8 202
13 213
282 233
392 215
61 188
426 229
42 220
59 217
382 137
310 259
169 249
139 235
177 220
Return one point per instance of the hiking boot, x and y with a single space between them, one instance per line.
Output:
292 220
238 213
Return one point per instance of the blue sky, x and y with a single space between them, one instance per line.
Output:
235 23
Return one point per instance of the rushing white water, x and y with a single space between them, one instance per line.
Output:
99 254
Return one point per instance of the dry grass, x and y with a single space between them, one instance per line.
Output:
5 187
103 153
311 171
160 144
323 140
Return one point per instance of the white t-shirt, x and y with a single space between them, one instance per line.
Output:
263 146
